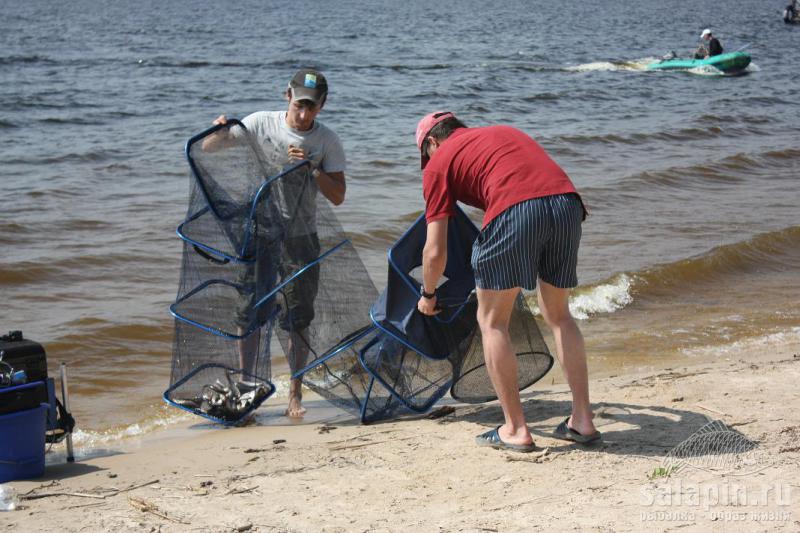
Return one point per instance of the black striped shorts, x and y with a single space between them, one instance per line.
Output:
534 238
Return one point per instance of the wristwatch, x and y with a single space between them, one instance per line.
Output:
427 295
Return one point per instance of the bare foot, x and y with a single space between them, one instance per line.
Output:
295 409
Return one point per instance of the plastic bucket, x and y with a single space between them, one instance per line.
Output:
22 437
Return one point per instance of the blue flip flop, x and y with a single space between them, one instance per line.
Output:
493 440
564 432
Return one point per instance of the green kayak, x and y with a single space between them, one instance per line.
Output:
731 63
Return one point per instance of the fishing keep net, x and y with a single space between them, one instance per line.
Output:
417 357
263 254
471 382
346 383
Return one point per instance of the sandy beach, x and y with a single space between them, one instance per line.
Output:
426 473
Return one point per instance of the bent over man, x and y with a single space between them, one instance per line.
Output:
530 236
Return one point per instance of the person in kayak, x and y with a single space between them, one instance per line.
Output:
790 13
710 46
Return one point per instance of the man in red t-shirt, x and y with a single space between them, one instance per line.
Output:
531 232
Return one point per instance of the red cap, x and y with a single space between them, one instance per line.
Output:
425 126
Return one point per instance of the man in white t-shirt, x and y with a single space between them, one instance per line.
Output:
287 136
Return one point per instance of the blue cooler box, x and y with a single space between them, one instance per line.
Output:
22 437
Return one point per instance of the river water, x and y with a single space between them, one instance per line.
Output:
692 246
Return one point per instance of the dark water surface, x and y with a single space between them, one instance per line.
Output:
693 243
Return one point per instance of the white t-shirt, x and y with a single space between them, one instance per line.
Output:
323 148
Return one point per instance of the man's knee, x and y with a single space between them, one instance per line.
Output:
560 321
491 322
557 314
485 321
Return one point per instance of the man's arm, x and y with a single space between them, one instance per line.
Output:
220 139
332 185
434 260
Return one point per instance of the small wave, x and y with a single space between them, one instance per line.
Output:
374 239
7 124
705 70
547 97
602 298
791 335
432 66
755 101
75 121
90 156
725 119
674 135
408 218
87 442
12 228
26 272
729 170
610 138
710 70
65 269
776 251
119 333
612 66
790 154
23 59
382 163
114 167
83 224
191 64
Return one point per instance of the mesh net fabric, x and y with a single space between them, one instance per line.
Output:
262 253
345 382
420 357
342 295
471 382
419 381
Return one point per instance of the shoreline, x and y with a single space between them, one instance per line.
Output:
162 417
425 473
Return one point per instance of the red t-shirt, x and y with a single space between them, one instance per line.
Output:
490 168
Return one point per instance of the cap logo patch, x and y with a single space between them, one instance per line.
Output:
310 81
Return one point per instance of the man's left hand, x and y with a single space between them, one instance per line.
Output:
296 153
427 306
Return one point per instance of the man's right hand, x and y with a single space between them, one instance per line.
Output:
220 139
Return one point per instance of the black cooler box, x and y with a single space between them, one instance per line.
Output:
27 355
